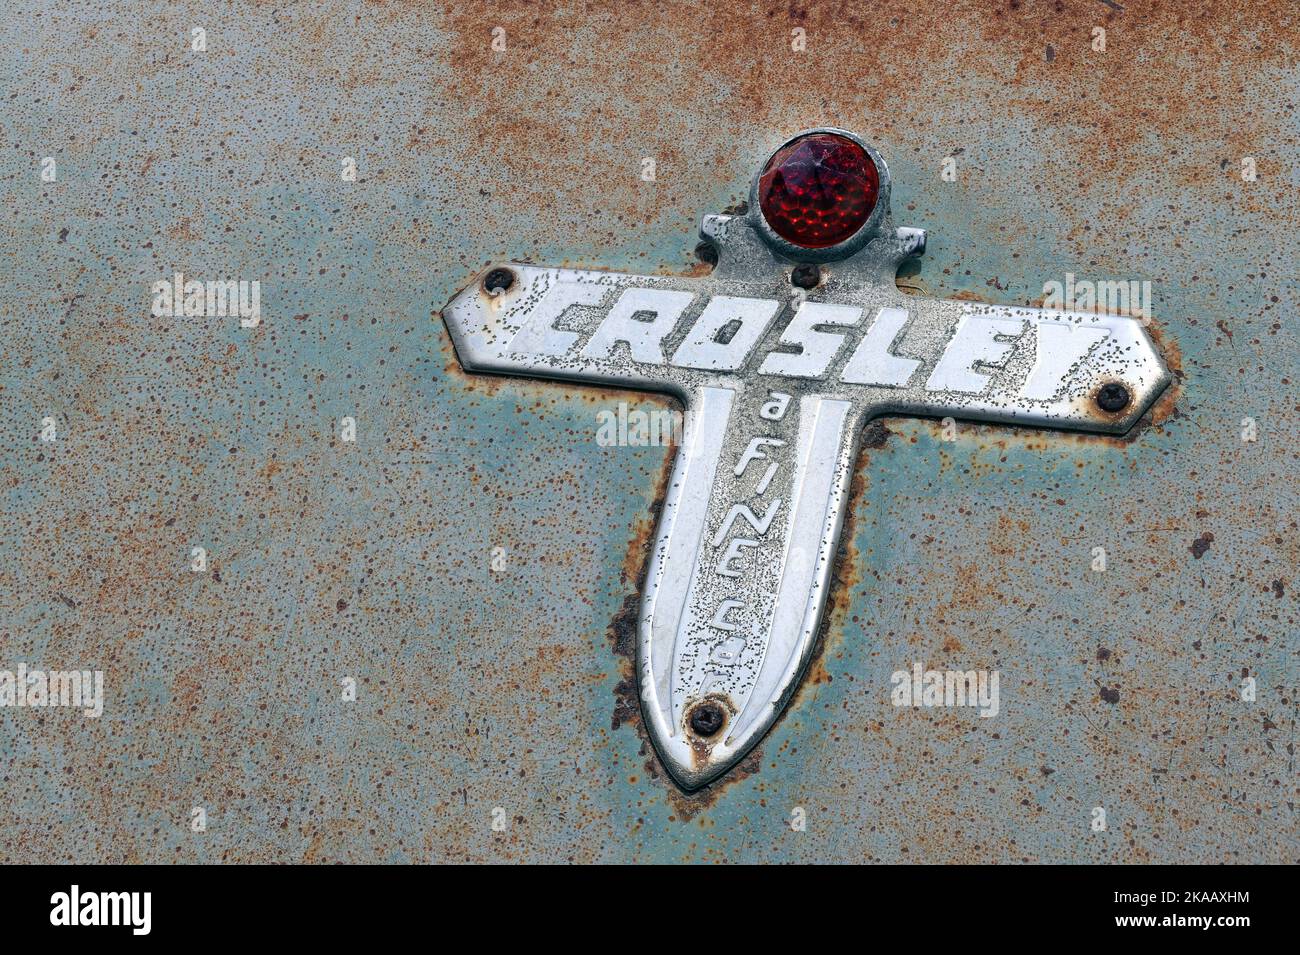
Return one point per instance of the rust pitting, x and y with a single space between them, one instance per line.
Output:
845 575
490 383
623 636
1215 57
1164 408
545 156
1091 403
875 434
622 633
702 746
1201 545
622 628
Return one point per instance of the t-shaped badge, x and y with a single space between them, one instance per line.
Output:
777 383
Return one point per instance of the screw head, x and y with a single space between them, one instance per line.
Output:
498 280
707 718
1113 397
806 276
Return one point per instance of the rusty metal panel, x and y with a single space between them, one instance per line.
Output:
472 559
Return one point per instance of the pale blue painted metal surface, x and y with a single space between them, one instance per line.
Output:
479 690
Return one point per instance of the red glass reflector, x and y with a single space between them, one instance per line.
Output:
818 190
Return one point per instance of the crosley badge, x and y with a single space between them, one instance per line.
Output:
797 338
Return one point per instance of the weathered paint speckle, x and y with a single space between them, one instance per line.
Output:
479 690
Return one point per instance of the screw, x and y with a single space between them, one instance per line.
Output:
498 280
707 718
707 253
1112 398
806 276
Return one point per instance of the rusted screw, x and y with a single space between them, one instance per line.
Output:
707 718
805 276
1112 398
498 281
707 253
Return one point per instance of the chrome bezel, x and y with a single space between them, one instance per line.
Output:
832 253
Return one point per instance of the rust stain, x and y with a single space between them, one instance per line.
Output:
1201 545
686 806
1166 406
701 747
622 635
622 630
533 142
1163 409
845 575
184 230
525 132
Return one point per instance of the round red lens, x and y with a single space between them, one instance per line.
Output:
818 190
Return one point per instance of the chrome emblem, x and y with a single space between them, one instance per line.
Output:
777 383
